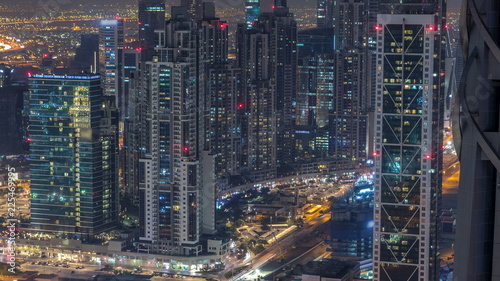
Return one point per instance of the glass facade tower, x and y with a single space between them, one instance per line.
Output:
407 146
252 12
73 156
151 16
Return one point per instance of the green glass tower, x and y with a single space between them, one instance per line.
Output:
73 156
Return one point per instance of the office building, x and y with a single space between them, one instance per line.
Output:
110 58
408 157
252 12
176 176
151 16
475 125
73 146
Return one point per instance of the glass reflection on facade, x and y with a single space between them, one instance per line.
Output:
73 159
252 12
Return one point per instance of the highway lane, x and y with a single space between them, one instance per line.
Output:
274 252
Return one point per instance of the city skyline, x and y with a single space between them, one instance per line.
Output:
214 134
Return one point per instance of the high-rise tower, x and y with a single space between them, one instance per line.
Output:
252 12
325 14
315 95
176 174
110 60
194 8
409 120
267 55
222 89
73 131
348 116
151 16
476 135
280 28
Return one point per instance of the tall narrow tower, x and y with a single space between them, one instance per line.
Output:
176 173
409 104
110 57
222 90
348 117
151 16
252 12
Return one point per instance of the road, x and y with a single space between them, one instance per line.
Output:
274 252
451 175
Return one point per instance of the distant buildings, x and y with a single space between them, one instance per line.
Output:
73 131
476 136
252 12
86 55
111 42
409 120
315 93
12 105
267 55
222 92
151 16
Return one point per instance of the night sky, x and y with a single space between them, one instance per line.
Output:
452 4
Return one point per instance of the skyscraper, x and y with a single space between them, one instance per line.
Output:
348 117
409 103
194 8
282 29
110 57
267 55
151 16
476 129
315 95
128 151
177 192
222 93
259 128
73 131
325 14
252 12
87 54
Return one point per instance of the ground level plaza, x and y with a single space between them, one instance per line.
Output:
71 250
